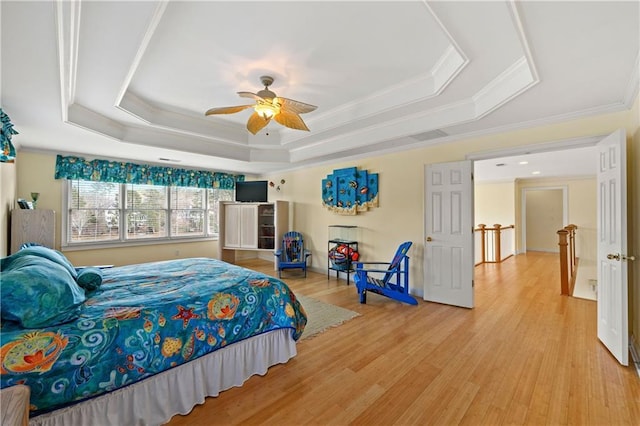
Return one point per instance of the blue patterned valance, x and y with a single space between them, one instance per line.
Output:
119 172
6 131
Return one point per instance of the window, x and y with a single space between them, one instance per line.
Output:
146 211
187 211
103 213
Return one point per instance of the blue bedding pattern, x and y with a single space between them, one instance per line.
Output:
142 320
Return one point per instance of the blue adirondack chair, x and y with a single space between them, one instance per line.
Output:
292 255
395 281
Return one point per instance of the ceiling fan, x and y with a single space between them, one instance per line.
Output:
267 106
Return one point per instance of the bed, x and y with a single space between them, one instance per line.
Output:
137 344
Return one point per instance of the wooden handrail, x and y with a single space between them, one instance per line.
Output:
494 240
568 259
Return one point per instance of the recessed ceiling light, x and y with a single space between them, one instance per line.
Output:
535 173
523 162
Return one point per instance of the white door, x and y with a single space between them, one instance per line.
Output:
613 326
448 253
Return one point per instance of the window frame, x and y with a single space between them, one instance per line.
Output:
207 209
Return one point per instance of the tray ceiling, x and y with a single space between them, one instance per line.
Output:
132 80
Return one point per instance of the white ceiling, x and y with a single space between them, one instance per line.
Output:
575 162
132 80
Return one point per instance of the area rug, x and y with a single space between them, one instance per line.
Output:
322 316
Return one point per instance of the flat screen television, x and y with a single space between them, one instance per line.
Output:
253 191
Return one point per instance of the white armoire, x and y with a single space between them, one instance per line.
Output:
251 226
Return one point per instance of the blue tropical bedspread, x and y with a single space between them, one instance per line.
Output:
142 320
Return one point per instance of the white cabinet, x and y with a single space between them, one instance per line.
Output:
241 226
251 226
32 226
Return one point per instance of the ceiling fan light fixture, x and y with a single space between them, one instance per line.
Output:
266 111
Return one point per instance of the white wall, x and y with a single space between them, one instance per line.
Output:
495 203
543 219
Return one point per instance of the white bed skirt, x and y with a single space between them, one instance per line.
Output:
156 399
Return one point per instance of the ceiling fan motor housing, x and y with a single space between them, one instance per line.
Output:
266 93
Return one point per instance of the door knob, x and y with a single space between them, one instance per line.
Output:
619 257
429 239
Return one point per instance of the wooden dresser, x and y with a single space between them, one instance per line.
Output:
32 226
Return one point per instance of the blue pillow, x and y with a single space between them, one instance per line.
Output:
25 245
37 292
89 278
45 252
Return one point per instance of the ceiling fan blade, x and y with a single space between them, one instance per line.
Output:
256 122
250 95
228 110
294 106
290 119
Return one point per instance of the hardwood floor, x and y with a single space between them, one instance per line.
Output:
523 355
